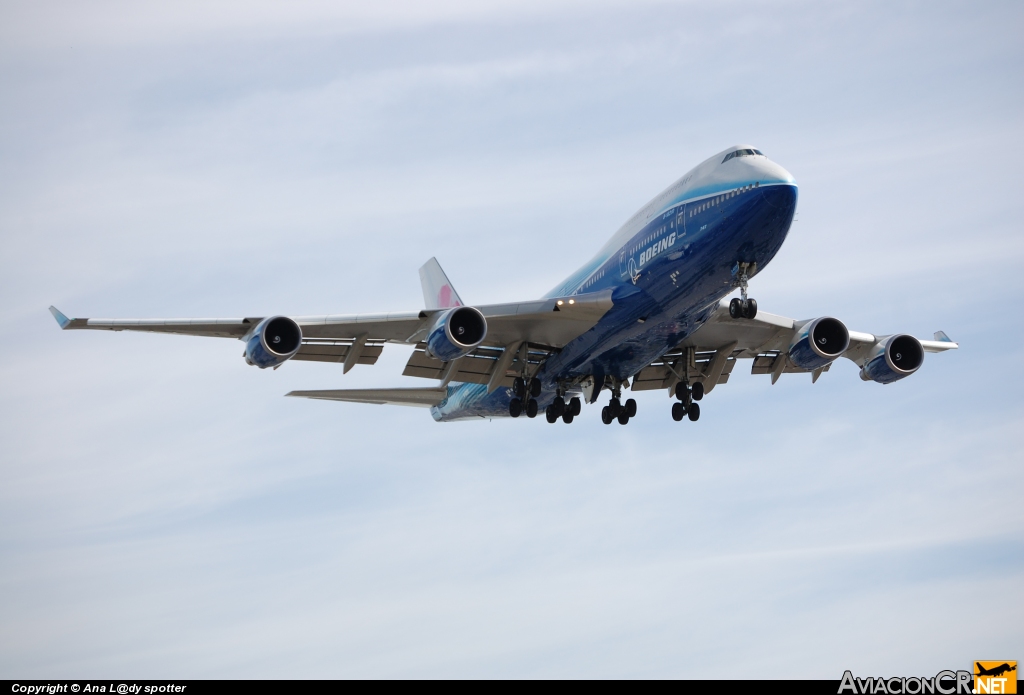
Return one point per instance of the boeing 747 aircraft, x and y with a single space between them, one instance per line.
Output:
649 311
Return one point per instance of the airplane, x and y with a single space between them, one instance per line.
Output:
649 311
995 671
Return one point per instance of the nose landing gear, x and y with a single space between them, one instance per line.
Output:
741 307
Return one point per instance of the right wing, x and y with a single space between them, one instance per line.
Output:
546 325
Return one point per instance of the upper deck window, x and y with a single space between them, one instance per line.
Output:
741 153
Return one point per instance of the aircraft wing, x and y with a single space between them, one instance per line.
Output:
551 323
710 353
420 397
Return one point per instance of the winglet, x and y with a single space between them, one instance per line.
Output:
438 292
62 320
942 337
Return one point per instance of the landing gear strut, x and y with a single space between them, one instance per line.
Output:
741 307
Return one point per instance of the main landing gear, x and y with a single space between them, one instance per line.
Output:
560 409
687 406
616 410
741 307
525 392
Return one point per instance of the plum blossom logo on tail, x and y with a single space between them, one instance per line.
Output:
445 299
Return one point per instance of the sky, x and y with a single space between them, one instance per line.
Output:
166 513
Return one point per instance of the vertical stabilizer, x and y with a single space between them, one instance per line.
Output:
438 292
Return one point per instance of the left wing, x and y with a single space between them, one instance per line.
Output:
710 353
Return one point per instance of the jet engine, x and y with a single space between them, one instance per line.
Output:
273 342
892 358
819 342
456 333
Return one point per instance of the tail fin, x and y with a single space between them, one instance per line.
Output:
438 292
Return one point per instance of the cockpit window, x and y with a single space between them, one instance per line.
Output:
741 153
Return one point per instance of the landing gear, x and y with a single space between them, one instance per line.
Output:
556 409
559 408
525 400
519 387
741 307
687 406
616 410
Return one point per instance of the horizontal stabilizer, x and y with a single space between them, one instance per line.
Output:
62 320
419 397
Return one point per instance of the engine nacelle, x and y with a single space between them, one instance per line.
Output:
818 343
456 333
893 358
273 342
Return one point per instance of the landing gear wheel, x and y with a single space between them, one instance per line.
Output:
630 408
750 308
567 417
558 406
693 412
531 408
519 387
515 407
534 387
698 390
606 415
623 418
683 392
614 407
736 308
549 413
678 411
575 406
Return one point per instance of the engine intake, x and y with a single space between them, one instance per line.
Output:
818 343
273 342
892 359
456 333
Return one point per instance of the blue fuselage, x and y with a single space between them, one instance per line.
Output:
668 268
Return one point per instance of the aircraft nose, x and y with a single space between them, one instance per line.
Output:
768 171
